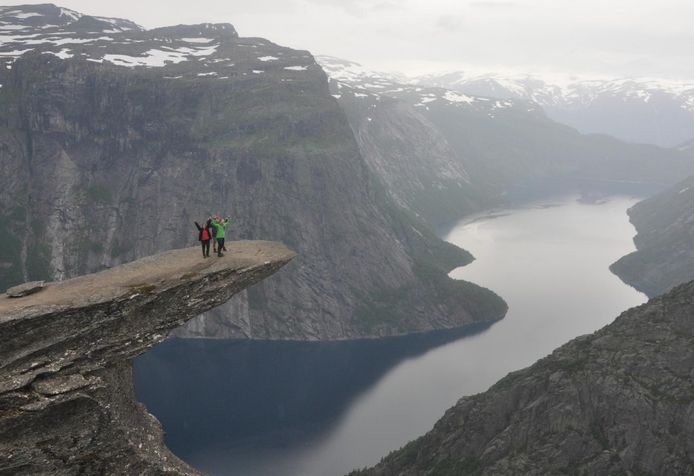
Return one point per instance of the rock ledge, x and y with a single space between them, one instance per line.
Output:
25 289
66 396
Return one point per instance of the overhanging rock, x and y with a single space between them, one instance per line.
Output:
66 395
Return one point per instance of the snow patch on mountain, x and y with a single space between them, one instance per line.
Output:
14 53
374 86
152 58
197 40
186 51
558 91
22 16
62 54
452 96
73 15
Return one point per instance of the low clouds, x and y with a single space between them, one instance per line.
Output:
451 23
360 8
587 37
492 4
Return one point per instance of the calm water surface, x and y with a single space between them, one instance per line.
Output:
321 409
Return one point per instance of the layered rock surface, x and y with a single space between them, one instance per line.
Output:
66 392
619 401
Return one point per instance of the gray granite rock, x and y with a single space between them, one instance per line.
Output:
25 289
66 393
664 255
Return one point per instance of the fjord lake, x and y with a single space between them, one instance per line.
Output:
325 408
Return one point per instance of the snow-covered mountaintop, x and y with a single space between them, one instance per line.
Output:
54 20
642 110
364 83
354 74
184 51
564 92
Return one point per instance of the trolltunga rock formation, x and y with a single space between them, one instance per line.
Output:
66 394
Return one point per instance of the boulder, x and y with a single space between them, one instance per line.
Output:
25 289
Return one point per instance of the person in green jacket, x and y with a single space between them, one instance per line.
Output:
221 228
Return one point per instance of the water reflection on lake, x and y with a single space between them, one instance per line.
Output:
286 408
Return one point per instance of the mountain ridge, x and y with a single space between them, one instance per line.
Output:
638 110
472 152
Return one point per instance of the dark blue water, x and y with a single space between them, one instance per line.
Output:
256 404
322 409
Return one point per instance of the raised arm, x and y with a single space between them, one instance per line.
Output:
197 225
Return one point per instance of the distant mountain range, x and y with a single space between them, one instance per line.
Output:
638 110
444 153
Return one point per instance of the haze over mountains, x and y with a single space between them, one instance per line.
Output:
102 116
641 110
444 153
114 139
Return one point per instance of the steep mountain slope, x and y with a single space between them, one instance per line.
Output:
665 241
618 401
113 140
445 153
640 110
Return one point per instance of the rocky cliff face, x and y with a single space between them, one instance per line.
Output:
446 153
113 140
665 241
618 401
66 392
422 171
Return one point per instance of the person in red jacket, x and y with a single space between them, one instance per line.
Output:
205 236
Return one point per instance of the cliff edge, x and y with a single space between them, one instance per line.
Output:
66 395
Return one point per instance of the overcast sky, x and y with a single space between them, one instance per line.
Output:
585 37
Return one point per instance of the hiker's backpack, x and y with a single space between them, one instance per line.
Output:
205 234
